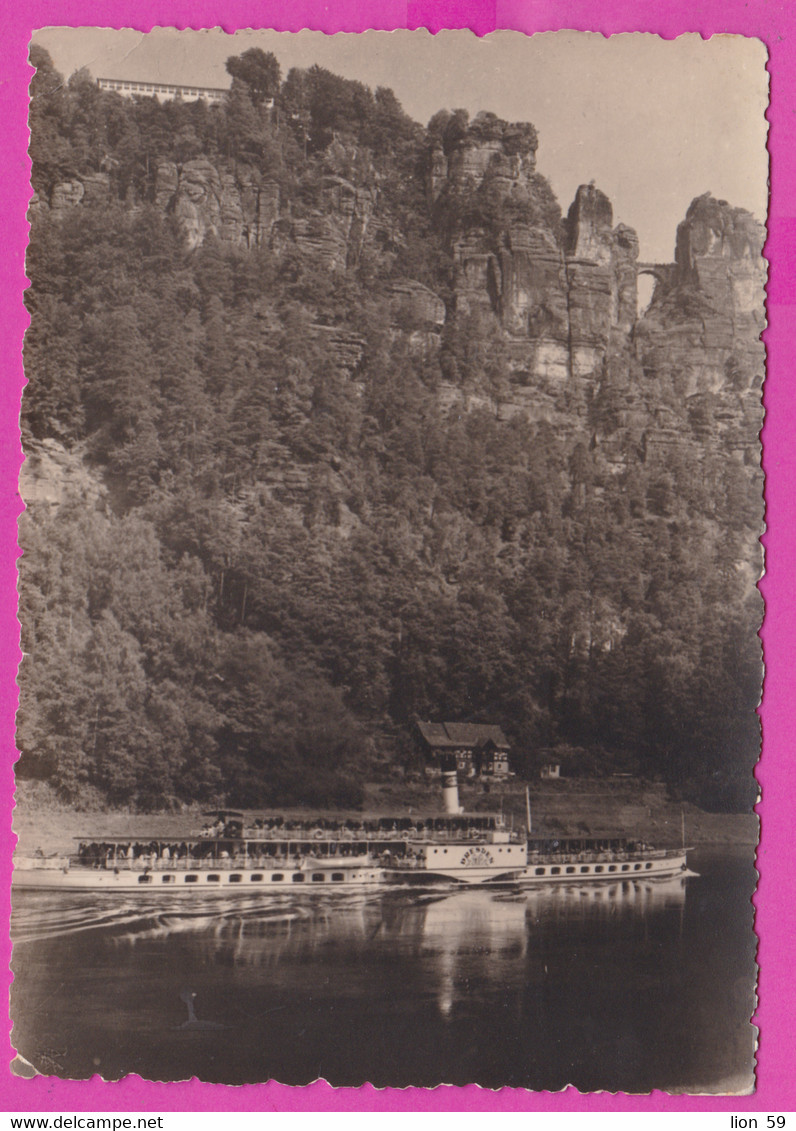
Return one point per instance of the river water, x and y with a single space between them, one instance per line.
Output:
623 987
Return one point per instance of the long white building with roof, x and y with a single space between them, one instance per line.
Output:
186 91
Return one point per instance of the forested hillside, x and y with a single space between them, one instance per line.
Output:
334 422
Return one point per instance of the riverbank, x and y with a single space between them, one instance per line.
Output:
590 807
568 807
638 810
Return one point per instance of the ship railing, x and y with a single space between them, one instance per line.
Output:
336 836
607 857
404 863
460 836
214 864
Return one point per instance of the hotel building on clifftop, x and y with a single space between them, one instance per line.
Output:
186 91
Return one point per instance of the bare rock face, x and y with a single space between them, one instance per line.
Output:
625 272
705 318
342 347
167 181
561 293
197 202
507 152
566 297
335 235
416 307
483 186
589 227
242 209
699 340
52 475
719 255
96 189
719 249
468 151
351 207
237 209
198 196
601 277
93 189
556 297
531 285
246 210
68 194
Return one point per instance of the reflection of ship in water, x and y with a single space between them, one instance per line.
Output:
630 896
471 944
245 936
250 930
478 937
233 926
474 937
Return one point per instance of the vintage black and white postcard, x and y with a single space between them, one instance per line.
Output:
389 593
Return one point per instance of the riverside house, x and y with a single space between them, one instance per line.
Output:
474 749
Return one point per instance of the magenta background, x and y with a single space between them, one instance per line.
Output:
773 21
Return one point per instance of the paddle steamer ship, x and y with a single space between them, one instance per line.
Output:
237 854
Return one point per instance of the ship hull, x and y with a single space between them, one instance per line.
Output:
653 866
242 882
448 866
251 881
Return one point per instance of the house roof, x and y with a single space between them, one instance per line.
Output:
453 735
434 734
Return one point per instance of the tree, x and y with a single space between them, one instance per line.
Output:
51 153
259 70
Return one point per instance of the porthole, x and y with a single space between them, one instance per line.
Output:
298 877
256 877
612 867
277 877
584 868
540 871
318 877
235 878
555 871
599 868
636 867
570 870
648 864
145 879
337 877
214 878
191 878
167 879
625 867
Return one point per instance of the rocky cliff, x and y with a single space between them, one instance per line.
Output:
566 297
699 340
334 422
560 292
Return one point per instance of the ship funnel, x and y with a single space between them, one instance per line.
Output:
450 792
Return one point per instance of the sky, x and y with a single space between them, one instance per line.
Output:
652 122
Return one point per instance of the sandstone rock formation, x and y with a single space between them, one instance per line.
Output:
561 294
238 209
417 306
559 291
700 337
565 296
52 475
